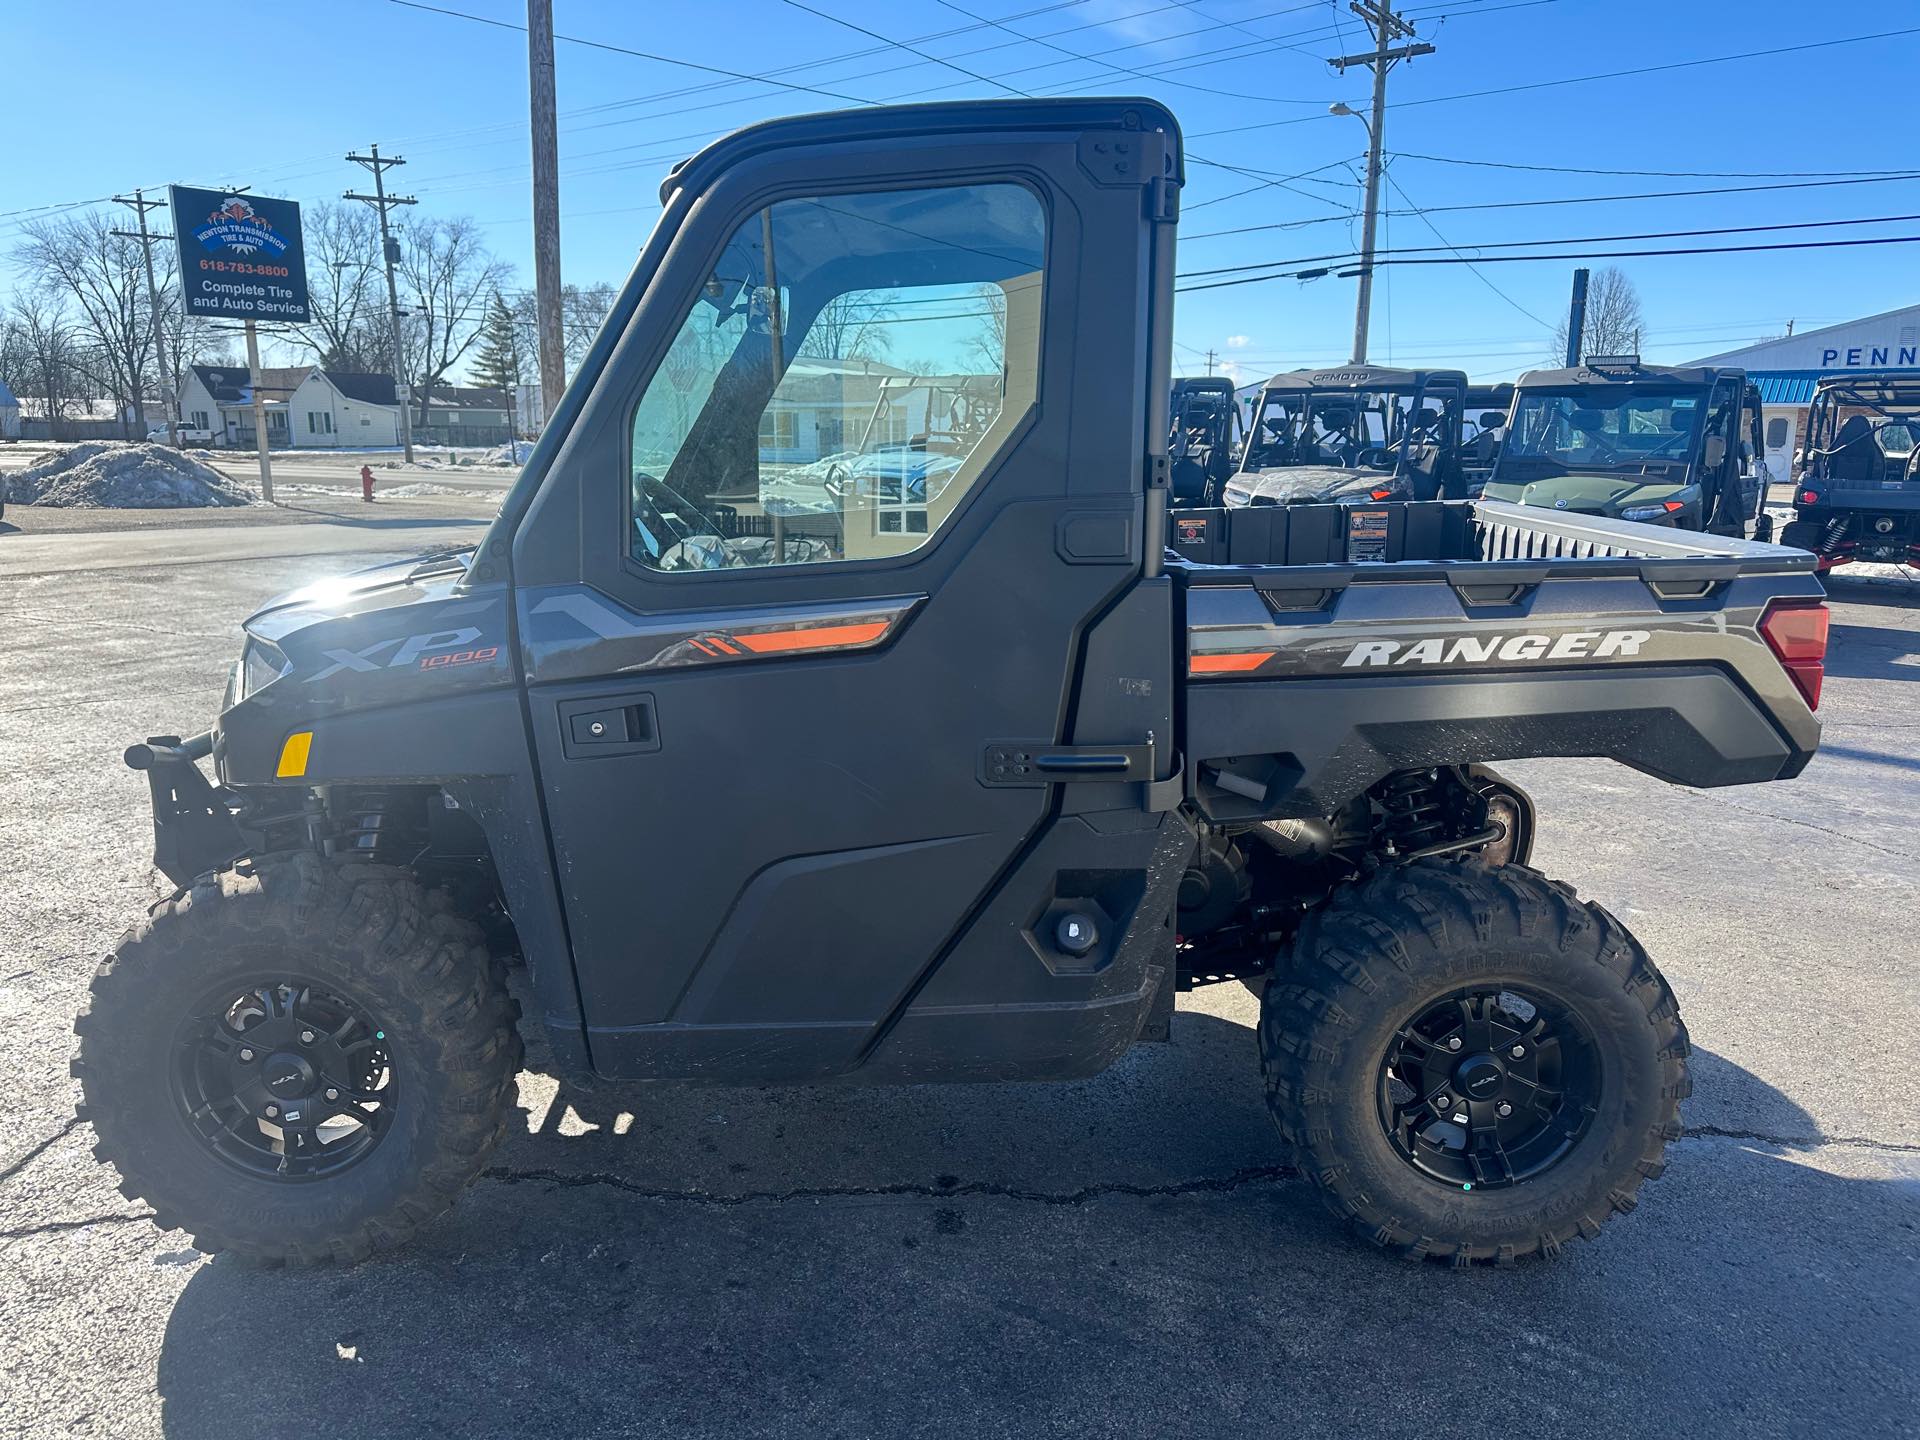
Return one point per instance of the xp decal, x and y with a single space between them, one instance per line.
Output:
412 649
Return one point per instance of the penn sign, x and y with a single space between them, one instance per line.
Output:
241 255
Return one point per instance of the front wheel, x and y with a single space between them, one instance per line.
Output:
1471 1064
298 1064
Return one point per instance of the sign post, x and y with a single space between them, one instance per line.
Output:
242 258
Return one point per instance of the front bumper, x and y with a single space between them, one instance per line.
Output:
194 831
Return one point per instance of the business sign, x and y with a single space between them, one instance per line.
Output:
240 255
1871 357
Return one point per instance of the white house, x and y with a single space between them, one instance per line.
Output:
343 409
220 398
9 414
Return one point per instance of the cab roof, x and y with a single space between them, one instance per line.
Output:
1364 377
1628 374
1888 389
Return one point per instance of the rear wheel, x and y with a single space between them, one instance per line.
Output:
299 1064
1471 1064
1803 535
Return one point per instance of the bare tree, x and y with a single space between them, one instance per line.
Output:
449 274
1614 324
42 340
583 309
105 274
345 290
852 326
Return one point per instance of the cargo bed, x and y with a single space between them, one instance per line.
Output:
1444 632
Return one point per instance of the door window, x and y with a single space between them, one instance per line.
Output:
843 380
1777 433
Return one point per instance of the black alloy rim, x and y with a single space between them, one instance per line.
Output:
283 1079
1489 1087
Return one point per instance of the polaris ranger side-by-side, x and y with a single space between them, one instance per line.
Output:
966 788
1355 432
1858 495
1656 444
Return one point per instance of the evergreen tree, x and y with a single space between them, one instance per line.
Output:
498 362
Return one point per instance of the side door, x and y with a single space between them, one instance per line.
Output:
784 699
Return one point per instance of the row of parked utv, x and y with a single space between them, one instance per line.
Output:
1677 446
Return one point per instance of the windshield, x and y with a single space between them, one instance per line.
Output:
1612 427
1345 427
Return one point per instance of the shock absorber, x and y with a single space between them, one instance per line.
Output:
376 824
1836 532
1414 811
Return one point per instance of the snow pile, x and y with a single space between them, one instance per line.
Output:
115 475
514 452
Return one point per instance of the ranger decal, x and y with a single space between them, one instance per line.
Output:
1482 649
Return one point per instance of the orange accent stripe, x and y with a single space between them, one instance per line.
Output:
768 642
1229 664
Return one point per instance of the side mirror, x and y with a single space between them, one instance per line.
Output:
1715 453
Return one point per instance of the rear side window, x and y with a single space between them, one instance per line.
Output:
842 381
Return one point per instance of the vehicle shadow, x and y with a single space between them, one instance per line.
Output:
1865 652
1122 1255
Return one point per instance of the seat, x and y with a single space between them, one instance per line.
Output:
1855 458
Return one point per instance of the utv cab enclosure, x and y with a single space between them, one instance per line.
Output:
964 787
1656 444
1858 495
1355 432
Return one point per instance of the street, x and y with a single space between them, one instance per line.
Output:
1120 1255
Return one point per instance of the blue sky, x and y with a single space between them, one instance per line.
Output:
274 96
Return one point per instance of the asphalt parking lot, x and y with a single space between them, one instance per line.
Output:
1121 1255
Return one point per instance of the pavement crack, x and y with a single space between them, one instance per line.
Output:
40 1149
1238 1179
1857 1142
56 1227
1805 824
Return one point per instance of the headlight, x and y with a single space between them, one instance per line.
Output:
261 663
1235 497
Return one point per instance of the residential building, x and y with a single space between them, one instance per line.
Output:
461 415
9 414
220 398
344 410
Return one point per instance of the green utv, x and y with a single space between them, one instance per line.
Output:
933 782
1655 444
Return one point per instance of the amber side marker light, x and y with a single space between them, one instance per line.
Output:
1237 662
293 755
1796 632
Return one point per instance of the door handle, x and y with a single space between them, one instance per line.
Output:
602 726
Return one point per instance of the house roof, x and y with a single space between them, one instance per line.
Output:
462 397
6 397
230 384
367 388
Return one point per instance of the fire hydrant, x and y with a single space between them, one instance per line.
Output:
366 483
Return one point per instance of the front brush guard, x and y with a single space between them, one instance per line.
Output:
193 830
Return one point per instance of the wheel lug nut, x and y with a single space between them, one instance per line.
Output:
1503 1109
273 1112
1453 1043
306 1037
1517 1051
246 1053
332 1094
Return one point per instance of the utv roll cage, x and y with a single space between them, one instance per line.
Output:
1883 400
1443 392
1204 442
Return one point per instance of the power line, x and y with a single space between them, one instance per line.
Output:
911 50
1574 255
639 54
1588 79
1584 200
1561 240
1648 174
1515 304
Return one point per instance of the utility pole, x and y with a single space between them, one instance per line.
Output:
139 204
1577 318
390 254
1210 359
546 205
1387 27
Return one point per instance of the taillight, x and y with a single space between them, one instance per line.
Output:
1809 497
1796 632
